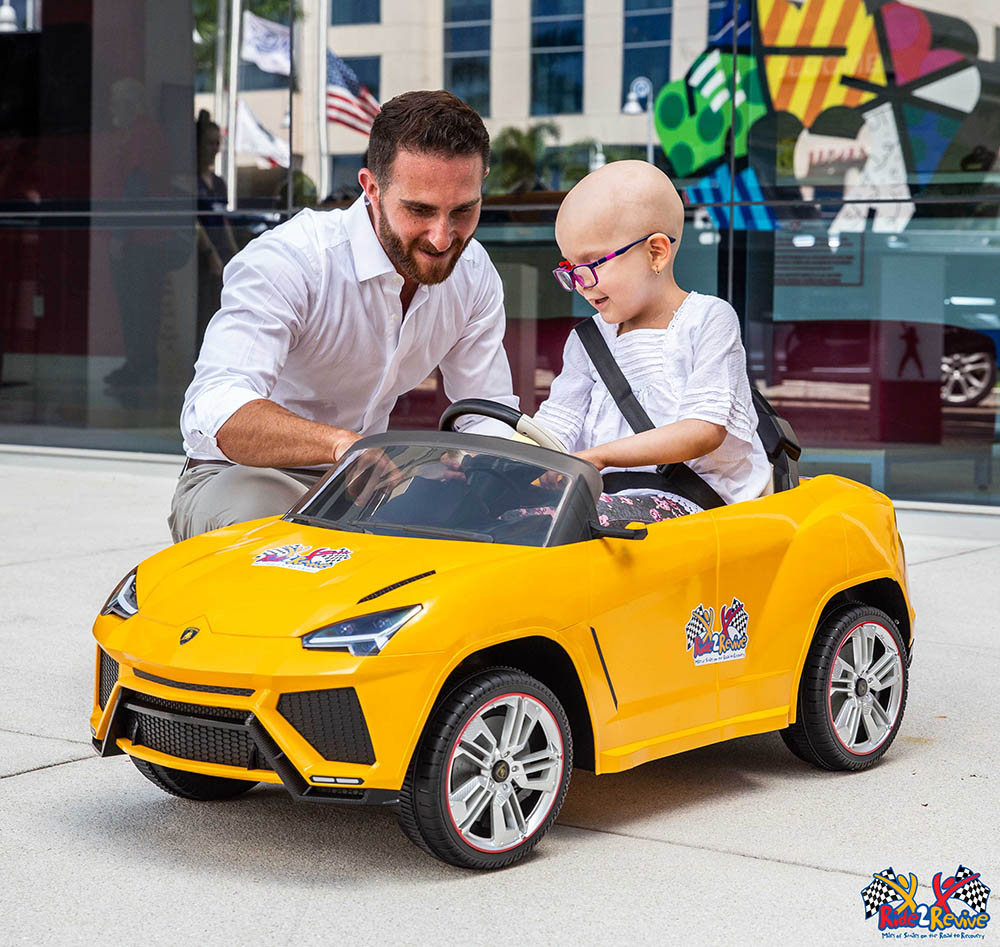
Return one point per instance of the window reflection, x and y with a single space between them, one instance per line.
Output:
881 349
842 192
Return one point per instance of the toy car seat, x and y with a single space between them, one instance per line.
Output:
780 444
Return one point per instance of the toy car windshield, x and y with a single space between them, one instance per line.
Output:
441 491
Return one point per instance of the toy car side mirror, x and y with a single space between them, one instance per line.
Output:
632 531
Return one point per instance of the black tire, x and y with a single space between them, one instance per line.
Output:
814 737
192 785
426 813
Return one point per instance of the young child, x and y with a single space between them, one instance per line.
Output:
619 230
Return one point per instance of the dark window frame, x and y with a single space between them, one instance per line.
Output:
561 51
362 6
663 7
470 56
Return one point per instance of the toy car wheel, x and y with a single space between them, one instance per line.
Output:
490 772
192 785
853 691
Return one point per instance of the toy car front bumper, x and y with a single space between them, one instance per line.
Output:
338 729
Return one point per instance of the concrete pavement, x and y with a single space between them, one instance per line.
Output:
738 843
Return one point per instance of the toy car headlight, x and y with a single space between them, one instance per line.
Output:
364 635
122 601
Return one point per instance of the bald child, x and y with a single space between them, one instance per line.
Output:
620 231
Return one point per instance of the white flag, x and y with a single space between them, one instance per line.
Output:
266 44
252 138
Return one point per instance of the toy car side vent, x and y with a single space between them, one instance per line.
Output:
332 721
109 675
395 585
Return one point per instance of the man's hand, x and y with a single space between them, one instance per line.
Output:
374 471
343 443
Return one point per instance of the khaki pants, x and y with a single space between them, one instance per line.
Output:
210 496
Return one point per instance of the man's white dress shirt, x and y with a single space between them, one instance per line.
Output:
311 319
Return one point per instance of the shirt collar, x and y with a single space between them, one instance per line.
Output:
370 258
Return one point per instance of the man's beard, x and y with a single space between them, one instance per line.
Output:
405 260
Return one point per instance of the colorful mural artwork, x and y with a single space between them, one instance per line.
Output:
863 102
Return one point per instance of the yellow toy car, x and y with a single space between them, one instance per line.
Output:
441 624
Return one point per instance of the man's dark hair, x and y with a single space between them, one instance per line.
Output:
435 123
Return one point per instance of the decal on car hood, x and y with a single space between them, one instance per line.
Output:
729 643
301 557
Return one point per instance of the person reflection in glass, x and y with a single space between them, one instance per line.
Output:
911 352
216 244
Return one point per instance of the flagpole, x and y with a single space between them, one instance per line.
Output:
220 75
235 18
323 14
291 112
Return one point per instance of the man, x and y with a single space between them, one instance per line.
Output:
326 320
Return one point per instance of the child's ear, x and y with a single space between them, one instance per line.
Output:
658 247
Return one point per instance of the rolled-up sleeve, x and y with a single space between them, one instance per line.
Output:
265 299
717 389
565 410
476 366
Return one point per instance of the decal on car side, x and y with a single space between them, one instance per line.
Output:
300 557
728 643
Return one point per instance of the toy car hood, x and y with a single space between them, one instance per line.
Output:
283 579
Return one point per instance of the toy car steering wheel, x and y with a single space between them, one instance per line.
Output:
519 421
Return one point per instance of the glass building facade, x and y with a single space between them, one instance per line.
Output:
838 161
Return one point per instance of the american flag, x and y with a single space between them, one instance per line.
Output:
347 100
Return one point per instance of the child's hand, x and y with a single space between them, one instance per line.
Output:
591 456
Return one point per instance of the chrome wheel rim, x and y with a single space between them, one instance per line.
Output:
964 377
866 688
504 774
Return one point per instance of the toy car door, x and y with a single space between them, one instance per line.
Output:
643 595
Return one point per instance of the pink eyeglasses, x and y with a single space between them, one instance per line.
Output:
584 275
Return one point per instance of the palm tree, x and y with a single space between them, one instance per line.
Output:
518 156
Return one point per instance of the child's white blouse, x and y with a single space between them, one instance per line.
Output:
695 368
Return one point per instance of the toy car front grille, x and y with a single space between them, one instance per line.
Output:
196 710
189 732
108 677
332 722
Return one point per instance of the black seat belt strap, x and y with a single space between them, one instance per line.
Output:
678 476
613 377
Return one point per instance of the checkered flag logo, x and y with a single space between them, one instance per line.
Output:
974 893
699 625
879 893
740 620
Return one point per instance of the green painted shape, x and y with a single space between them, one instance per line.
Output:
710 124
693 140
671 109
682 158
